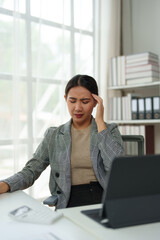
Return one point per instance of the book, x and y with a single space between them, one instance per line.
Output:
124 113
121 70
144 62
117 71
145 67
114 113
142 74
128 106
110 111
119 108
114 73
141 80
143 55
139 60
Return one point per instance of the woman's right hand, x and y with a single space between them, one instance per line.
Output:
4 187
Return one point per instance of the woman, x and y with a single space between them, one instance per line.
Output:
79 152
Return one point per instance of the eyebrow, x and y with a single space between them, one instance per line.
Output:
80 99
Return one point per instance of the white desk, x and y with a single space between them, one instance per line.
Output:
141 232
74 225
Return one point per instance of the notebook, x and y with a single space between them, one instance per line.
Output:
132 193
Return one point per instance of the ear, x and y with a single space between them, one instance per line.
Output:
65 97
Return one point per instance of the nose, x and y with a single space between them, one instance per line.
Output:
78 106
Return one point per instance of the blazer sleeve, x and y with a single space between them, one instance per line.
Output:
110 145
33 168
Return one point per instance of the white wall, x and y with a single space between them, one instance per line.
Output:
143 31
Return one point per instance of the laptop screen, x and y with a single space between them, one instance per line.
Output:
133 177
132 194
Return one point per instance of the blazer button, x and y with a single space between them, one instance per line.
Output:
58 192
57 174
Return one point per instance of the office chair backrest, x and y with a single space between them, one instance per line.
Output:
133 144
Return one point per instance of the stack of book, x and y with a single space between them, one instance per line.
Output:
121 107
142 68
138 68
117 71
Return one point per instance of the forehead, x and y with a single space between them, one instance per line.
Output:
79 92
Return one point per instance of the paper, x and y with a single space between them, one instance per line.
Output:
17 231
62 229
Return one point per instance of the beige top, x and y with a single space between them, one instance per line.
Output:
81 165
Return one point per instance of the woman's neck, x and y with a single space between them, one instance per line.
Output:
81 125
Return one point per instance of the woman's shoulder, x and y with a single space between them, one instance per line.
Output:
59 129
49 130
111 125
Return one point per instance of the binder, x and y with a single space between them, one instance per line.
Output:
141 109
148 108
156 107
134 108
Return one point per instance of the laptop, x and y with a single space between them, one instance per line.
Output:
132 193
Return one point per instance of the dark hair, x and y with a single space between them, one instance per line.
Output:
84 81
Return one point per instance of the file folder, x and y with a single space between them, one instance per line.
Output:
148 108
141 109
156 107
134 103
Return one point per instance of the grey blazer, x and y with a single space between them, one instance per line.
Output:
55 150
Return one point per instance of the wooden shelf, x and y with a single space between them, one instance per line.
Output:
137 122
152 84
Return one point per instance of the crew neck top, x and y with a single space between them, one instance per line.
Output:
81 165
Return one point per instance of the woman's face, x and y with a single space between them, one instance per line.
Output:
80 105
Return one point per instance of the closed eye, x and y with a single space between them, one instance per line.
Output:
85 102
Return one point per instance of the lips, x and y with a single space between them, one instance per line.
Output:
78 115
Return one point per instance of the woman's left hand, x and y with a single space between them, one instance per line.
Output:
99 113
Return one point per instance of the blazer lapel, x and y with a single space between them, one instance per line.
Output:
66 142
93 145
